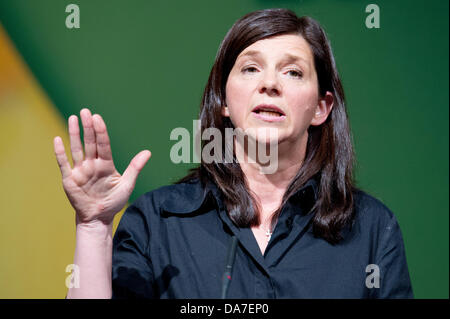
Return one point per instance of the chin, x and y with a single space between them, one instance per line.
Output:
264 135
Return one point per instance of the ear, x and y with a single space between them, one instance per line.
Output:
225 112
323 109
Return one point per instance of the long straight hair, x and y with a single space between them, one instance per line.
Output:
329 152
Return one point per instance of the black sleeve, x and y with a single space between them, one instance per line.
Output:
132 271
391 258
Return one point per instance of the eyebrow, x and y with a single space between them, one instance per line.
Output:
287 56
250 53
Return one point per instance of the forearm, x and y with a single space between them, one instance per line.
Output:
93 256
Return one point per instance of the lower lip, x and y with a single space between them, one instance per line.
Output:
269 118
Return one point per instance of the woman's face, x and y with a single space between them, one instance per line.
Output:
278 75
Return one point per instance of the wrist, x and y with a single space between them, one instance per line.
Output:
93 223
94 228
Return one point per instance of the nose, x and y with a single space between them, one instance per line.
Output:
269 84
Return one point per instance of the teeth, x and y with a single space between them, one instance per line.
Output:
269 113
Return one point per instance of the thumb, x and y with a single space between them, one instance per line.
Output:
134 168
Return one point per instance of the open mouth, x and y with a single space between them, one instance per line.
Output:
269 113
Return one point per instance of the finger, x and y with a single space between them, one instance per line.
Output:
134 168
75 141
90 146
61 157
102 138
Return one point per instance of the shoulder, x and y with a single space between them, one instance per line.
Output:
371 213
175 198
374 225
367 205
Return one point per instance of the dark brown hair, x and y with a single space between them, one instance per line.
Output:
329 151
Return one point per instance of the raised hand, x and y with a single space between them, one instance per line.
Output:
93 186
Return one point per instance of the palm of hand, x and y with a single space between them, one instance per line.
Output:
93 186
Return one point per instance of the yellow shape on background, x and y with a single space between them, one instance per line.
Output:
37 227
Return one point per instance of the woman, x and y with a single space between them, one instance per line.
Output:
303 232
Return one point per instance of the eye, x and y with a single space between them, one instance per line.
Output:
250 69
295 73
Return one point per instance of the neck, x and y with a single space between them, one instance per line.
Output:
268 189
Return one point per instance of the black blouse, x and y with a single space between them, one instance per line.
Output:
173 243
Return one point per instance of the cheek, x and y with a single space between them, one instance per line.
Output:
237 91
303 103
237 97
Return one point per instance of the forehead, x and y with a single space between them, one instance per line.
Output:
280 45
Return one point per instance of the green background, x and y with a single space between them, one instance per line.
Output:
143 65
